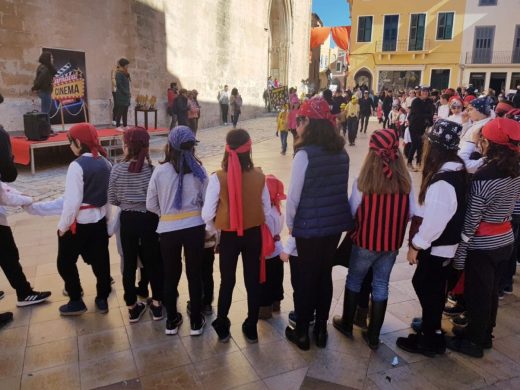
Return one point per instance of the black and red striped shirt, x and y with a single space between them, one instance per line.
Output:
381 221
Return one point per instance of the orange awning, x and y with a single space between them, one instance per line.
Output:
318 36
341 36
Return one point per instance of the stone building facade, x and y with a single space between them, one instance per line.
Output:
201 45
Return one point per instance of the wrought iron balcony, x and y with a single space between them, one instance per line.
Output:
403 45
486 56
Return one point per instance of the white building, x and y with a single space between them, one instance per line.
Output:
490 54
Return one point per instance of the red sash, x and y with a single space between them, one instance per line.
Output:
493 229
74 224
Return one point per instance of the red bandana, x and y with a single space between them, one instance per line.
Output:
87 135
385 143
317 108
503 131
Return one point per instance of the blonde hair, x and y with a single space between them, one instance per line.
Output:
372 179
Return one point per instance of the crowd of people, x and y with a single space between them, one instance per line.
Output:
462 236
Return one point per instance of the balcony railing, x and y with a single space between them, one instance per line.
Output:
485 56
403 45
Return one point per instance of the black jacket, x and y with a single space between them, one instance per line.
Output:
387 103
365 106
8 172
421 114
43 80
516 100
180 108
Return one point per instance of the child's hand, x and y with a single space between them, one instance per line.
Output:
276 133
284 257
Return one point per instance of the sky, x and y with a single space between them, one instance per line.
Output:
332 12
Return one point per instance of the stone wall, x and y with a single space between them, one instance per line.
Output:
201 44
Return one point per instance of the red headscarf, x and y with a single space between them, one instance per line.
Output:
316 108
275 188
137 137
503 131
234 184
385 143
503 107
87 135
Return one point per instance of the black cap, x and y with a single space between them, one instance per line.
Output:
123 62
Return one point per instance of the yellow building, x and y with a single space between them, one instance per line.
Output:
402 44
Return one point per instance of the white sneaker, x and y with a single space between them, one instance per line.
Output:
197 330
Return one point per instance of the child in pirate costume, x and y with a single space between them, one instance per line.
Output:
82 229
238 203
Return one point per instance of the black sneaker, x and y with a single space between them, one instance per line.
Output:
507 290
461 320
5 318
157 312
101 305
198 329
250 332
221 326
415 343
73 308
465 347
2 295
453 311
136 312
34 298
172 326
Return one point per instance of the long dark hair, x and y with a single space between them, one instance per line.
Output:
133 152
434 157
234 92
45 59
173 156
321 132
504 158
236 138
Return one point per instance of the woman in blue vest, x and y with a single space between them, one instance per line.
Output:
317 213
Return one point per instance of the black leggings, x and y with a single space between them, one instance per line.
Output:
272 289
10 263
121 113
416 146
231 246
172 243
91 242
138 238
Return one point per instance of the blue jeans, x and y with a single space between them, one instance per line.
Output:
360 262
46 101
283 138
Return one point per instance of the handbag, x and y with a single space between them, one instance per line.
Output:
343 252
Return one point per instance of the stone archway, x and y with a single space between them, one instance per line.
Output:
278 58
363 77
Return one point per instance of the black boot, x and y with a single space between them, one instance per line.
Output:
320 333
299 336
377 317
345 322
360 319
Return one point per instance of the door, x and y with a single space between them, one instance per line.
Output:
440 79
390 32
478 80
483 44
498 82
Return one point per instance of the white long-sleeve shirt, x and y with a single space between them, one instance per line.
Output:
465 152
440 205
275 223
209 210
290 246
443 111
10 196
299 168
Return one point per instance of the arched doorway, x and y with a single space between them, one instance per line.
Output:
278 41
363 77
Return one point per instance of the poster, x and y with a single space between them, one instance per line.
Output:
69 85
278 97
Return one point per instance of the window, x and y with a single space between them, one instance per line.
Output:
390 32
416 40
478 80
338 66
487 2
516 46
445 25
483 44
515 80
399 79
440 79
364 33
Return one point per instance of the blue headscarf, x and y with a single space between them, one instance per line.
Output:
482 104
176 138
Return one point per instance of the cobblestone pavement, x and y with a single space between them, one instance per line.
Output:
39 350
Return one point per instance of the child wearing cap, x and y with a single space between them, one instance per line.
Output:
176 194
272 289
127 189
432 247
383 180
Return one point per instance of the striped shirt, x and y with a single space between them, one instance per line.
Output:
127 189
492 199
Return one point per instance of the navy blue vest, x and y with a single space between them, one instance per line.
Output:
96 173
324 209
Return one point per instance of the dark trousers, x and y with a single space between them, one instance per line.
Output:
295 274
208 285
482 279
416 145
172 243
91 243
139 239
386 118
272 290
10 263
364 122
193 123
344 128
430 282
234 118
315 257
224 108
114 109
231 246
352 126
173 123
506 281
121 113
